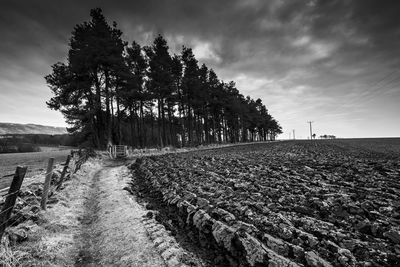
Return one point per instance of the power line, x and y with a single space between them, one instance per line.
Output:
381 84
374 89
391 83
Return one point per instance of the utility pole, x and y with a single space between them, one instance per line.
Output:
310 122
294 135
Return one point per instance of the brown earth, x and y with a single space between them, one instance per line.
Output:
319 203
113 232
308 203
95 221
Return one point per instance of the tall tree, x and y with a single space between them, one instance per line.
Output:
177 70
190 85
95 51
133 91
160 79
112 92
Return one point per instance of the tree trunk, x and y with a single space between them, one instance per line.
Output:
108 113
141 125
170 119
159 134
214 130
164 137
206 127
137 143
219 131
119 134
99 115
189 125
182 121
132 128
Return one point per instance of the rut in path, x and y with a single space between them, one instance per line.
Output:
88 254
112 232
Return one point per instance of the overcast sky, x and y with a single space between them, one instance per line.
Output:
336 63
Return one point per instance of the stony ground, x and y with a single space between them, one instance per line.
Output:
324 203
93 221
317 203
48 237
113 232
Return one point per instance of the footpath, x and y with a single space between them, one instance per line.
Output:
95 221
112 229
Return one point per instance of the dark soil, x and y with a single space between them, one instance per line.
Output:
88 253
159 210
338 199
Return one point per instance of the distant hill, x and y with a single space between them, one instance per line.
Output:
15 128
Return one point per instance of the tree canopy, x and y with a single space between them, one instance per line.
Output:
110 91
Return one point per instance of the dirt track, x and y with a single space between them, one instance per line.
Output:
112 229
117 231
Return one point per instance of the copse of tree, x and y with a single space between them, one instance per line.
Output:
113 92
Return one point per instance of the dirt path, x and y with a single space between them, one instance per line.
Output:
113 231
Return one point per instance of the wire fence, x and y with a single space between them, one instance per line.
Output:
38 183
33 174
36 160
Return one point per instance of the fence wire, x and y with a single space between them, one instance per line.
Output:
10 194
12 218
4 211
16 212
35 172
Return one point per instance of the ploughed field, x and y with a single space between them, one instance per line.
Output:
315 203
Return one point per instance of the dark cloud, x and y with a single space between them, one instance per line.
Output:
322 50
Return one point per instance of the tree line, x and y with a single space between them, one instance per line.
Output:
17 143
111 91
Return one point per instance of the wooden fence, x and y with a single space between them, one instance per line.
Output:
72 164
118 151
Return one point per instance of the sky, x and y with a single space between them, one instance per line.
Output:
336 63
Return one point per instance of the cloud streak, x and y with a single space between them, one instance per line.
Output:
328 61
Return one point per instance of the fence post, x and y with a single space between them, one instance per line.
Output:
77 164
72 170
46 185
11 197
64 171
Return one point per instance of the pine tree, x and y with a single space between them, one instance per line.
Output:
160 80
95 52
133 93
190 86
108 91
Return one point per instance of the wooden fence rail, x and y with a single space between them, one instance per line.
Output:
11 198
118 151
72 163
64 172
